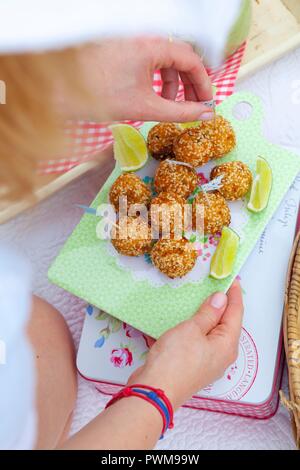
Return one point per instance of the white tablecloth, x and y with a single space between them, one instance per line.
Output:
40 233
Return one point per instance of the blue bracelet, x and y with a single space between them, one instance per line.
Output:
155 398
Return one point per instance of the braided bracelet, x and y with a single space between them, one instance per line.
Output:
154 396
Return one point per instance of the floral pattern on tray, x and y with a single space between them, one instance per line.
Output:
123 354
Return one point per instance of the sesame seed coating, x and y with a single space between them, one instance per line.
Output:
166 213
221 133
174 258
215 211
131 186
176 178
135 240
237 179
161 138
193 147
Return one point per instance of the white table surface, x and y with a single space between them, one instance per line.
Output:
40 233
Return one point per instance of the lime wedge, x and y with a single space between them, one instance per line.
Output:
223 260
130 148
188 125
261 187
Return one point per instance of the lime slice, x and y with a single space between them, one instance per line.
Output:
130 148
188 125
223 260
262 186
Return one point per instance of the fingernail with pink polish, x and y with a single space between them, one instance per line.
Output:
218 300
207 116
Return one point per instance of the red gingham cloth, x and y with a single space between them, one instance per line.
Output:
88 138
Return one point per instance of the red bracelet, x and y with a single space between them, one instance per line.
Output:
161 394
155 397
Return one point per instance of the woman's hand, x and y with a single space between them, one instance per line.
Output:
196 352
119 74
181 362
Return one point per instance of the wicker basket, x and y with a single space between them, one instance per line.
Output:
291 326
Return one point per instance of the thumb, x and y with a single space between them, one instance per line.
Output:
211 312
163 110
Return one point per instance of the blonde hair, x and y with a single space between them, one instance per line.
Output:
30 126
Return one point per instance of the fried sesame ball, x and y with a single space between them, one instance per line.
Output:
131 186
174 258
161 138
132 237
215 211
176 178
220 132
237 179
193 147
167 215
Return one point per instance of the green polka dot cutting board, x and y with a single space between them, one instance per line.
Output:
131 289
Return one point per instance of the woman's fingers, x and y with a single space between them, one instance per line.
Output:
225 337
174 59
181 57
160 109
170 83
210 312
231 321
189 91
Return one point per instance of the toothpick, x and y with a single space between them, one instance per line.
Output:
175 162
213 185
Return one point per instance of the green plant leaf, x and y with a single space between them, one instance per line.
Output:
101 315
115 325
105 332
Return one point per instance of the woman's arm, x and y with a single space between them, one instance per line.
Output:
183 361
130 424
